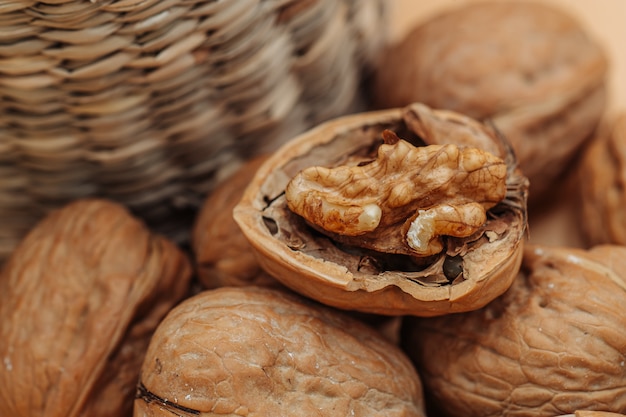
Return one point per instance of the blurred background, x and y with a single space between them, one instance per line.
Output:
603 18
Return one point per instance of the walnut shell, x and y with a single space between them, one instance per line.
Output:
222 253
556 221
320 268
602 174
79 299
554 343
257 351
529 67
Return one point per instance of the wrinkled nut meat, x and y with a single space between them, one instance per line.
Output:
256 352
405 200
602 174
553 344
528 67
222 254
403 211
79 299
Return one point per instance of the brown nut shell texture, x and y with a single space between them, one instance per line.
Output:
602 179
222 253
553 344
530 68
402 211
253 351
79 299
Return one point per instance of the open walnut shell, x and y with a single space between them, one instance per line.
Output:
381 275
553 344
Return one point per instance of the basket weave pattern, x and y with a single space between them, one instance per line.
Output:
152 102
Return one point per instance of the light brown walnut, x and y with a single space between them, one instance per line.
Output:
553 344
556 221
222 254
257 352
79 299
403 211
602 180
528 67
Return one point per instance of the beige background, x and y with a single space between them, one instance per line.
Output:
557 223
604 19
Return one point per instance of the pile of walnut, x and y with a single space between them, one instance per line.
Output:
377 265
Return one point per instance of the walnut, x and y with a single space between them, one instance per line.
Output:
433 190
556 221
554 343
222 253
602 177
403 211
528 67
257 351
79 299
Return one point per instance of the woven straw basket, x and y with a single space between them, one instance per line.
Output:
151 102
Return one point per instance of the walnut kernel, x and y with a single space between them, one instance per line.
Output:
405 199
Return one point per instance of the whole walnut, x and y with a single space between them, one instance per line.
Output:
256 351
529 68
553 344
601 176
556 221
222 254
79 299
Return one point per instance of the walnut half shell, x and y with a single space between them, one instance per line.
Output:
371 271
